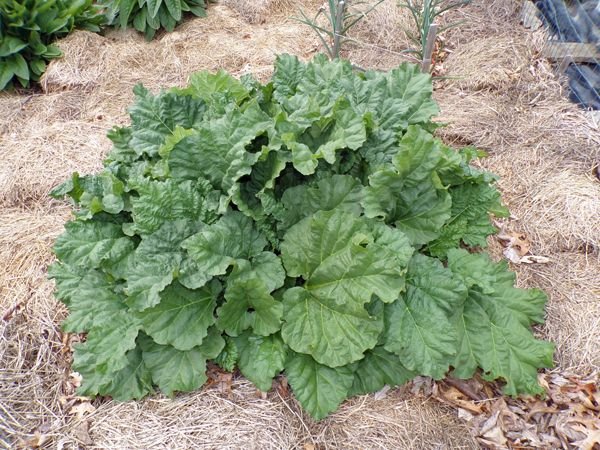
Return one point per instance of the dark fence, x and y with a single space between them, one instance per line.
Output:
574 43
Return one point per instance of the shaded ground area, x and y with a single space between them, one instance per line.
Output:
502 98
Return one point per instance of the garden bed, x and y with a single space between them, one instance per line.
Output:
504 99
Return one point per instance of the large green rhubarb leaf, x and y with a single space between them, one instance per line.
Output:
333 252
288 74
334 333
211 87
121 151
339 191
265 266
249 305
422 212
160 202
343 266
219 245
93 303
249 196
134 381
324 81
415 90
378 368
105 352
368 95
155 262
66 279
318 388
419 325
175 370
218 151
182 317
494 331
147 278
417 157
88 244
344 129
406 193
470 221
154 118
261 358
94 193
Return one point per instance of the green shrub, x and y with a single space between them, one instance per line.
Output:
29 27
147 16
312 226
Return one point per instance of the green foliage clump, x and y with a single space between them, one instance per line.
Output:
148 16
29 27
311 226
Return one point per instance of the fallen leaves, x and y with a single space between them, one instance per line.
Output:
82 433
36 441
567 418
81 409
591 441
382 393
221 379
517 242
281 386
517 246
456 398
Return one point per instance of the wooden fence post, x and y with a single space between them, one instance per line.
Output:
429 46
338 27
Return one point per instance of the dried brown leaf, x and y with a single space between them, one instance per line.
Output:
535 259
566 429
382 393
490 423
282 387
456 398
517 241
82 433
496 437
36 441
260 394
589 443
81 409
75 379
540 408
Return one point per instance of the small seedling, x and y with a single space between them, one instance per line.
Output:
424 13
339 20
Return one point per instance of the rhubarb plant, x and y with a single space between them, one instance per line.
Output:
312 227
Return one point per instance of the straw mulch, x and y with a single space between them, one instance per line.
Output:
260 11
501 97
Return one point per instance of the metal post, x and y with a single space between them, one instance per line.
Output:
428 52
339 24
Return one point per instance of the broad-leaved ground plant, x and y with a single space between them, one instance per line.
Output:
148 16
28 29
312 226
